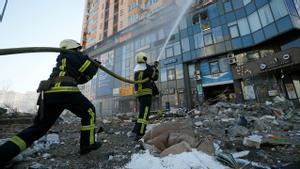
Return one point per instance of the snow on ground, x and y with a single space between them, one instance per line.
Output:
186 160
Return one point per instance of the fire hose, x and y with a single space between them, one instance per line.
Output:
61 50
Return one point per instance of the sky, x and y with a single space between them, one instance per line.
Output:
35 23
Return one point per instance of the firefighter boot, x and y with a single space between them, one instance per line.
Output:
7 152
87 149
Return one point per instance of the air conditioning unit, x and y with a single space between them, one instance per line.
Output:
232 59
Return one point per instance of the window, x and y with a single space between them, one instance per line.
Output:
278 8
177 50
185 45
246 2
252 56
198 40
191 71
179 72
208 39
204 23
265 15
161 34
171 74
163 74
254 22
237 4
243 26
224 64
217 34
182 24
214 67
227 6
169 52
297 5
233 29
213 11
291 4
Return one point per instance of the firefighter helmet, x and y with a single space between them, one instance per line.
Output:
141 57
69 44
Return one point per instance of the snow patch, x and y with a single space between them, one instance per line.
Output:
186 160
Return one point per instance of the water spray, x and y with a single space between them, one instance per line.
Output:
186 5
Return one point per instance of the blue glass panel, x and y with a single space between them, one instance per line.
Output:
226 33
241 13
260 3
228 45
193 54
236 43
186 56
223 19
204 68
215 22
292 7
200 52
179 59
258 36
284 24
237 4
212 11
230 17
210 50
196 28
247 40
183 33
192 43
270 30
220 47
190 31
189 21
250 8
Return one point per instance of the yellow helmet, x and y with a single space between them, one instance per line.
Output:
141 57
69 44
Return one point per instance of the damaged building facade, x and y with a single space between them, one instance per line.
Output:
247 49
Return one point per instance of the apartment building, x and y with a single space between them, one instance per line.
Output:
104 18
247 49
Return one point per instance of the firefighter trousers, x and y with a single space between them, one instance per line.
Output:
142 120
54 104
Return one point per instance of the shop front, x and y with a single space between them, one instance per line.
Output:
273 75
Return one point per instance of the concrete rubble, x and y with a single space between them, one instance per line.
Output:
256 135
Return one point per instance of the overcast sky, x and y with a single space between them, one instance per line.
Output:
35 23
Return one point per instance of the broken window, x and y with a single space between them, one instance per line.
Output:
204 21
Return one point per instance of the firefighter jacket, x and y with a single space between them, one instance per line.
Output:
146 88
71 69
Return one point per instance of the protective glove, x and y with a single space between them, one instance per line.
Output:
95 60
156 63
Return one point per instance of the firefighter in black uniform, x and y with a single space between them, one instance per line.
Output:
57 93
144 92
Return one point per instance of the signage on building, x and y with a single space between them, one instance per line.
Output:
126 91
169 61
277 62
125 37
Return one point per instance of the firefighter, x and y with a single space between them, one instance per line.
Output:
57 93
144 92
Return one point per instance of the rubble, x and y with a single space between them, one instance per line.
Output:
237 135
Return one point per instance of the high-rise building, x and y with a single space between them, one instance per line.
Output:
103 18
245 49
